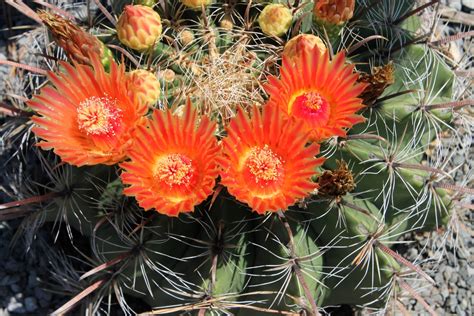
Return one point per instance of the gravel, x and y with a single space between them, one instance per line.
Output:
22 277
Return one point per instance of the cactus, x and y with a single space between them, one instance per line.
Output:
226 160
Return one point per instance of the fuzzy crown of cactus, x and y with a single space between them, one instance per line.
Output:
244 157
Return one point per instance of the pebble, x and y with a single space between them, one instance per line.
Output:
30 304
455 4
469 4
14 306
412 253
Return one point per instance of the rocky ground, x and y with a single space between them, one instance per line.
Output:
24 275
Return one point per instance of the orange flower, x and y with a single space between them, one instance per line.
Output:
87 118
173 164
266 162
320 92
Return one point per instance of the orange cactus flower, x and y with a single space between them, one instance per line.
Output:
323 94
266 162
87 118
173 165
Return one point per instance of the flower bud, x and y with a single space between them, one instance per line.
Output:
144 85
226 22
303 42
168 75
333 12
275 19
186 37
148 3
139 27
195 4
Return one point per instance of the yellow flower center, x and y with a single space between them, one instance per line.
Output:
174 169
312 107
264 164
312 101
98 116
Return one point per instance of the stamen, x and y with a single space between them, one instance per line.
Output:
264 164
174 169
99 116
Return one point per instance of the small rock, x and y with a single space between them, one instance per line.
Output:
10 279
14 306
460 311
462 253
42 295
30 304
32 280
13 266
412 253
15 288
3 291
469 4
439 278
452 302
448 271
444 292
4 312
455 4
454 278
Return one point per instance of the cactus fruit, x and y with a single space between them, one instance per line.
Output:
251 168
139 27
275 20
195 4
302 42
144 85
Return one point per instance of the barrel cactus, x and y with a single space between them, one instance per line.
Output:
214 159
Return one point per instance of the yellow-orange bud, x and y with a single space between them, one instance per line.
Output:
168 75
275 19
186 37
303 42
334 12
195 4
144 85
139 27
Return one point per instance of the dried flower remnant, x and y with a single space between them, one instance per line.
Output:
333 12
380 78
77 43
336 183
